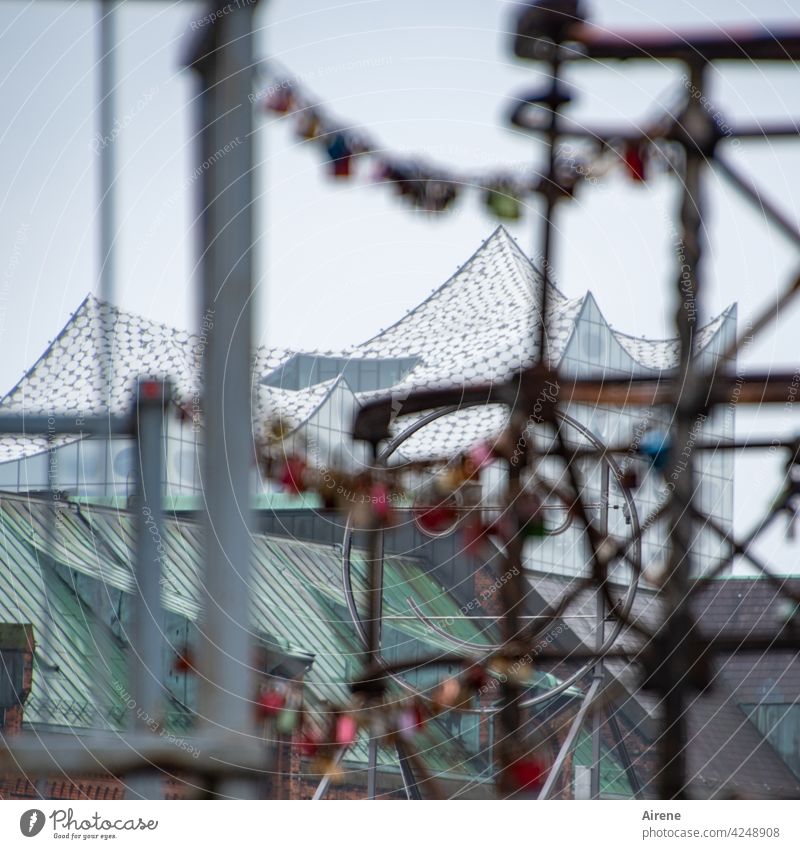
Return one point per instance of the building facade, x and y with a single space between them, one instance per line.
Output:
65 582
478 327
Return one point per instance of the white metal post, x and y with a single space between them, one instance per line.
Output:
106 201
223 57
147 633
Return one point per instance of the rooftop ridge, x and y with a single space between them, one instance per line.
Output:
501 237
60 335
710 323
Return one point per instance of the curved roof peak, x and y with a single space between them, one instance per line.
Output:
496 286
652 354
511 244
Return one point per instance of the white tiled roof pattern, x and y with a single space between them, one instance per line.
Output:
477 327
14 447
663 353
68 377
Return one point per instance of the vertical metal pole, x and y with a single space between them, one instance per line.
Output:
322 787
227 679
512 595
372 774
599 671
675 629
107 211
624 754
375 626
147 637
551 192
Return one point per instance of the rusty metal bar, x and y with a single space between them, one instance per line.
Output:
675 630
599 669
374 418
746 43
748 190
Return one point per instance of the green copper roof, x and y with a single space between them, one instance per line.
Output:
613 779
69 573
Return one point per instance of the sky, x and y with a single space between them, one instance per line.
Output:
338 262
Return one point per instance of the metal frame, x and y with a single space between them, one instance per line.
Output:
677 645
230 752
230 758
604 645
222 58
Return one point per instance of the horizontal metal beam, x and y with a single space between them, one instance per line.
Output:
373 420
527 117
407 772
748 42
624 754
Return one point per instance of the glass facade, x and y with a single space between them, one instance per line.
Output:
595 351
95 467
302 371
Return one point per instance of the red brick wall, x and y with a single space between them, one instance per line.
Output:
86 787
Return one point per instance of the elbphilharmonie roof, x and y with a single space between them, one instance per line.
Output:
477 327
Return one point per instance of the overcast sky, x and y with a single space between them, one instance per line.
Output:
338 262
